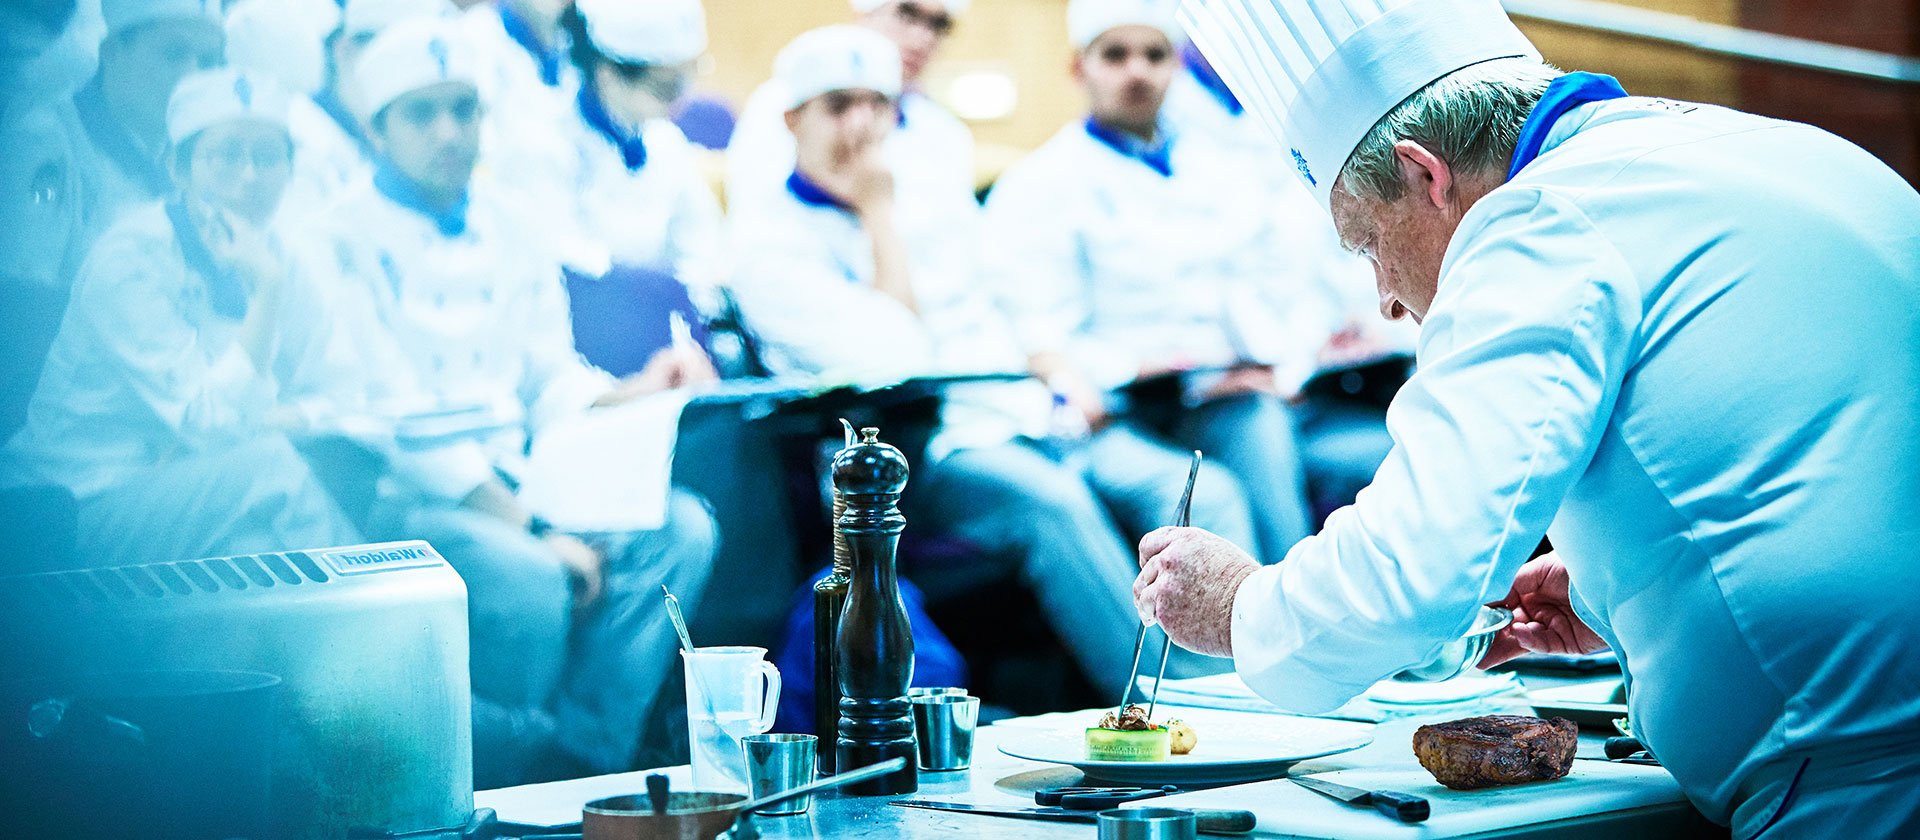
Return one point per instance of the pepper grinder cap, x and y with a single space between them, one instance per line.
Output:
869 467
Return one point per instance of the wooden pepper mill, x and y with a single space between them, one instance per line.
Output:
874 654
829 598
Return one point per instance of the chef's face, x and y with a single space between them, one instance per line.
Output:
1126 72
1406 237
835 127
432 135
917 27
241 167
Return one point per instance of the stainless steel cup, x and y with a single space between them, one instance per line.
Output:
1148 824
943 729
928 691
779 762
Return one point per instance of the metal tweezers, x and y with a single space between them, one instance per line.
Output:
1182 517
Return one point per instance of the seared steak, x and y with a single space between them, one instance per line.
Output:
1494 750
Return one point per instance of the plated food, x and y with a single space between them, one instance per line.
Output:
1495 750
1132 736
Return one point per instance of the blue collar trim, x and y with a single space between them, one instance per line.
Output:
404 191
900 109
1563 94
1208 78
228 299
522 33
329 101
1157 155
633 149
813 194
114 141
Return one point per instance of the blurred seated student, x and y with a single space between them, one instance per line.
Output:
1126 254
571 643
927 142
164 405
150 45
627 207
851 275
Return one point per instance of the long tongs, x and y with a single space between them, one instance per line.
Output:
1182 517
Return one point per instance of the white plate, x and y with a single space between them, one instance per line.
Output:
1248 753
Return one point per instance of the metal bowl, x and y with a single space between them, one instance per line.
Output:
1460 654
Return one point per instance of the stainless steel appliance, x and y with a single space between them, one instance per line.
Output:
372 734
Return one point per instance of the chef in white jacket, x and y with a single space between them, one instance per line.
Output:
928 142
477 308
1675 338
1124 250
629 191
852 276
164 404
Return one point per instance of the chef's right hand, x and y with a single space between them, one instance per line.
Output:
587 566
1543 617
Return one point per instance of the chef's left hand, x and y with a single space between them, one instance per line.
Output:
1188 578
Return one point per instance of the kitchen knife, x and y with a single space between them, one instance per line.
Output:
1209 821
1399 806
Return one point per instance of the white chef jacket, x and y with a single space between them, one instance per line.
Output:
144 371
1101 257
479 312
930 151
328 161
805 283
1684 338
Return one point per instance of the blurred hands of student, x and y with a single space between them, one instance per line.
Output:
586 565
670 367
1353 344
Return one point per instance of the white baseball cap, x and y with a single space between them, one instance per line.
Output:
953 7
410 55
224 95
1087 20
646 31
368 17
834 58
121 15
1321 74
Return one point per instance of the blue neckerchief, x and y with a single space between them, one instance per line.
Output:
404 191
633 150
329 101
1209 79
114 141
1157 155
900 109
522 33
229 300
1563 94
813 194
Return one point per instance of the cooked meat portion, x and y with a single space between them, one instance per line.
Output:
1132 719
1494 750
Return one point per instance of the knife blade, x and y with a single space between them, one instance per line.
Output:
1400 806
1209 821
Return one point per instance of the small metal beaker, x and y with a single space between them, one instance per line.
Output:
778 762
1148 824
943 727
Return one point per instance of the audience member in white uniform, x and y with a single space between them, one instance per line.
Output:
630 192
841 279
566 649
1125 252
150 45
163 402
927 143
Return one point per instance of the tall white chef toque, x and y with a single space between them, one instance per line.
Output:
213 97
410 55
842 57
650 32
1089 19
1320 73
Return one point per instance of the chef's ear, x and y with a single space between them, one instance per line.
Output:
1423 173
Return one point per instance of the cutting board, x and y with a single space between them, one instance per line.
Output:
1285 808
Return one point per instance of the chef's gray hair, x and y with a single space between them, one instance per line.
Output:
1470 118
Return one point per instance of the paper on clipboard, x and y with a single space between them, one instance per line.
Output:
607 469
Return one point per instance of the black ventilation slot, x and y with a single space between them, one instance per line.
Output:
250 567
225 572
142 582
278 566
197 574
307 567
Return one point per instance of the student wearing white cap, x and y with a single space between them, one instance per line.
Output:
1639 337
844 247
930 150
521 50
150 45
1127 252
630 191
162 407
565 656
